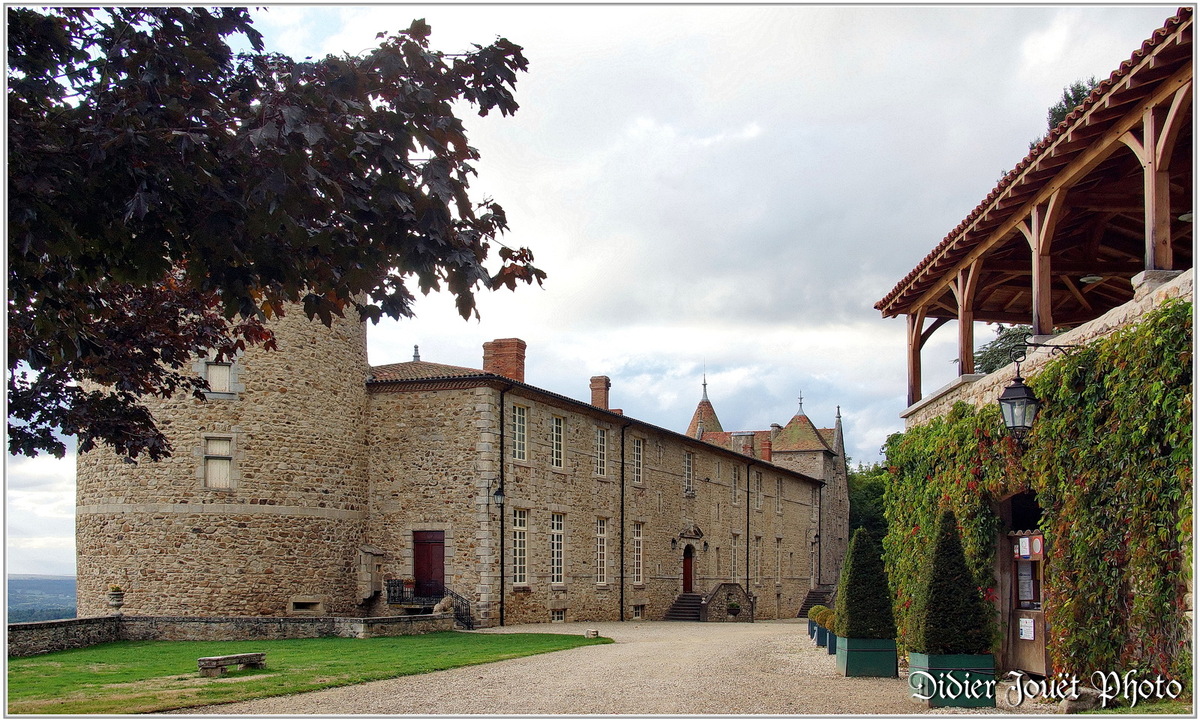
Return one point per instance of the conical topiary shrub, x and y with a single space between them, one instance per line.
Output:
949 664
866 630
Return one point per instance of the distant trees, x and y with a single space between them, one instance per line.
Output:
866 484
165 198
998 353
1072 96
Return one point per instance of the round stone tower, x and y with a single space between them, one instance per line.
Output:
261 508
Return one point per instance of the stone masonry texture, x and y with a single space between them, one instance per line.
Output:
332 474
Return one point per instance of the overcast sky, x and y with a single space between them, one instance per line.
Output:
711 189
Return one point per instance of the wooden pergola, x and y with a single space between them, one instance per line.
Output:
1106 195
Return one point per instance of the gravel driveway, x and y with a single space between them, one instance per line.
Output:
668 668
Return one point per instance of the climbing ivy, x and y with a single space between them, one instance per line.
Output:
1110 459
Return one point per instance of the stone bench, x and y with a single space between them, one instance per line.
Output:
215 666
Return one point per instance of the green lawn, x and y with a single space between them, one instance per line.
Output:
127 677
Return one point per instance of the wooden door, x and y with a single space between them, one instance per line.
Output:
688 553
429 563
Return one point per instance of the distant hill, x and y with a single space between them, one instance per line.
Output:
35 597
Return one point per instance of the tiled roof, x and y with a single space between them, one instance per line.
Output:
800 435
960 240
706 415
415 370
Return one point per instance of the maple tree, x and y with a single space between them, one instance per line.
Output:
168 196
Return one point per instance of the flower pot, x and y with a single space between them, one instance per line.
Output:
952 680
822 636
832 646
733 611
867 657
812 629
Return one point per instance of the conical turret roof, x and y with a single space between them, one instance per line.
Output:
705 419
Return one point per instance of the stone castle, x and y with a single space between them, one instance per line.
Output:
312 484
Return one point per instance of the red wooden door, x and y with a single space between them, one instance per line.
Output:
429 563
688 552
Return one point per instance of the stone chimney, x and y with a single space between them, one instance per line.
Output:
600 386
744 442
765 448
505 357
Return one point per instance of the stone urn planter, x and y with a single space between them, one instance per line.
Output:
116 599
733 609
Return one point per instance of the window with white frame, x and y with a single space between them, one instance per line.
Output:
689 473
218 462
778 560
779 495
735 479
557 423
601 452
638 449
601 550
758 490
556 548
520 436
637 552
816 504
757 560
520 551
558 615
639 611
218 377
733 564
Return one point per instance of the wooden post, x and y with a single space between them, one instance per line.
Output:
1038 230
964 291
915 322
1160 129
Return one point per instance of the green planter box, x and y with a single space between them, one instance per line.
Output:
952 680
812 629
832 645
822 636
867 657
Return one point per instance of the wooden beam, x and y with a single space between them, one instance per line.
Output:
1070 284
1157 191
1078 168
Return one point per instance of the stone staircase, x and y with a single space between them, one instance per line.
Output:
820 595
686 608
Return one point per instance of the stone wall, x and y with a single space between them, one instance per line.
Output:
291 522
436 459
1151 290
30 638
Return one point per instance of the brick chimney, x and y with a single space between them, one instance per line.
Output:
765 449
600 386
505 357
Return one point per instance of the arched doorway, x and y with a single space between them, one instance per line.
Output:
689 553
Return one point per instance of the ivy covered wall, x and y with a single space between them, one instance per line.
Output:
1110 459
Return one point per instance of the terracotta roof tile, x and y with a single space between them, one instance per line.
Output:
706 415
415 370
800 435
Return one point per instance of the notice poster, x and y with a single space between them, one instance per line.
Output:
1026 628
1025 581
1024 544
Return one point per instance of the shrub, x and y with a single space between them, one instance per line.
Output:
952 618
815 613
863 609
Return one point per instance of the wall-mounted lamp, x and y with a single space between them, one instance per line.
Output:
1186 217
498 496
705 546
1091 278
674 542
1018 404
